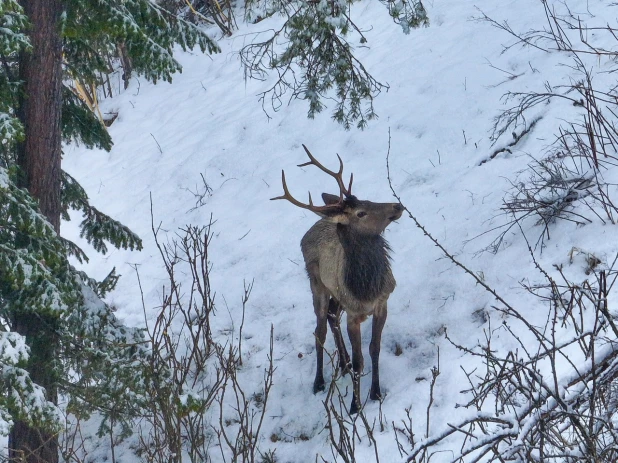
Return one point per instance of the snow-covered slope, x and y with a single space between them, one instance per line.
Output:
446 82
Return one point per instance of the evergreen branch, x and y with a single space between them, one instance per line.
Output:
80 124
96 227
409 14
74 250
317 63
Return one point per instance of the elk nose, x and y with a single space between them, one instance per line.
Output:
398 207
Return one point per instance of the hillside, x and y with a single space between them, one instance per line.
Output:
446 84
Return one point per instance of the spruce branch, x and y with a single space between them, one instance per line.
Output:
96 226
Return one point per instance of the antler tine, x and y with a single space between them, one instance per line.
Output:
287 195
350 185
347 192
338 176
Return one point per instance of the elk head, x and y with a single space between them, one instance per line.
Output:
364 217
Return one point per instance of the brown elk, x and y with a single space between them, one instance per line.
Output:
348 264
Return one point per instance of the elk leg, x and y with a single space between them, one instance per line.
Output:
320 337
354 334
320 305
334 320
379 319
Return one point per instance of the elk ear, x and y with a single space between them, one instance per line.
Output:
329 199
336 214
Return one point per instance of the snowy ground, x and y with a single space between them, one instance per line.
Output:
445 87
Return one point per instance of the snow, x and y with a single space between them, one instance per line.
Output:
13 348
4 178
446 83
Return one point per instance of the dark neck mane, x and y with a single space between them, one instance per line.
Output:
366 263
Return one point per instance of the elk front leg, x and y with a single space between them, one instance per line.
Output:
334 320
379 319
354 334
320 305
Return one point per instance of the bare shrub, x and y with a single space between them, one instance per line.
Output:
197 400
183 380
551 399
405 429
71 442
240 422
549 191
570 172
346 430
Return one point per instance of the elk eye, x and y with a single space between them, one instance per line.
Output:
361 214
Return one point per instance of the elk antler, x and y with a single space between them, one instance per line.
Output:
337 176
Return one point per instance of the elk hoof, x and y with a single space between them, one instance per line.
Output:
374 392
318 385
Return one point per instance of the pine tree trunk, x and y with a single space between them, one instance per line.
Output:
127 65
39 158
41 108
28 444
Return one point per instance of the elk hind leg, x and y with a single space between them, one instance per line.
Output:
320 305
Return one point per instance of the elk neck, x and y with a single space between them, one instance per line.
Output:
367 263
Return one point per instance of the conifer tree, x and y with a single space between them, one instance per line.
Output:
313 58
58 336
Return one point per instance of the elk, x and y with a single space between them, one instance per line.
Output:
348 264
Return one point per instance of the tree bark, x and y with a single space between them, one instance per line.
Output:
30 444
127 65
41 109
39 158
